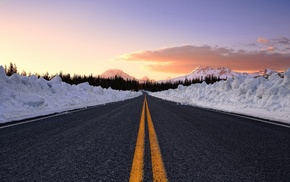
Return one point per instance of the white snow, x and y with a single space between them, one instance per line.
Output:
25 97
201 73
111 73
260 97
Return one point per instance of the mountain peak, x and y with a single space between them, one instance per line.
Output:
145 78
196 69
203 72
208 68
266 72
206 71
111 73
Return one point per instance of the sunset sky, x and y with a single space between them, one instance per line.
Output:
156 38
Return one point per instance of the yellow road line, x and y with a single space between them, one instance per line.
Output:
159 173
137 165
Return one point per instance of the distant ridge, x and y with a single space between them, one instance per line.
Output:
202 72
265 72
111 73
198 73
146 79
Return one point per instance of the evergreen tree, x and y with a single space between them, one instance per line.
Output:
46 76
23 73
11 69
117 82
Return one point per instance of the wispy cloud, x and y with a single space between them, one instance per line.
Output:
280 44
274 41
183 59
281 40
271 48
262 40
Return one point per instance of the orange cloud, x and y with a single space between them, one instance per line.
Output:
183 59
262 40
278 44
271 48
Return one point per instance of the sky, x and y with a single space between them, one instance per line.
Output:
154 38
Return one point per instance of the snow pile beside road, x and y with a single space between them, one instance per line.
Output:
24 97
260 97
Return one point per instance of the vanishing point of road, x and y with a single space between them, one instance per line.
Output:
144 139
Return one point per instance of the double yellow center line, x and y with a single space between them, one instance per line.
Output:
158 170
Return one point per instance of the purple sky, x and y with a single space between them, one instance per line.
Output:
91 36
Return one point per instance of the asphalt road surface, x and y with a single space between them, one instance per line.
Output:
99 143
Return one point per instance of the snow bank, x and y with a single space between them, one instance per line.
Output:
24 97
260 97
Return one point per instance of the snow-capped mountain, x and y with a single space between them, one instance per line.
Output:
265 72
145 79
201 73
111 73
198 73
223 73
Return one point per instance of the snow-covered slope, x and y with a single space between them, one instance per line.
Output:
111 73
265 73
260 97
223 73
201 73
24 97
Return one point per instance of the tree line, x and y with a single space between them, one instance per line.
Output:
116 82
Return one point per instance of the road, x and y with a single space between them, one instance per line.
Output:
99 144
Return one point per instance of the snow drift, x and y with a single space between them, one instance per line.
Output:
24 97
260 97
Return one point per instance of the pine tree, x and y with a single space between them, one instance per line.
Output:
11 69
46 76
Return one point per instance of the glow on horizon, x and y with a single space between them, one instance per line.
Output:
88 37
